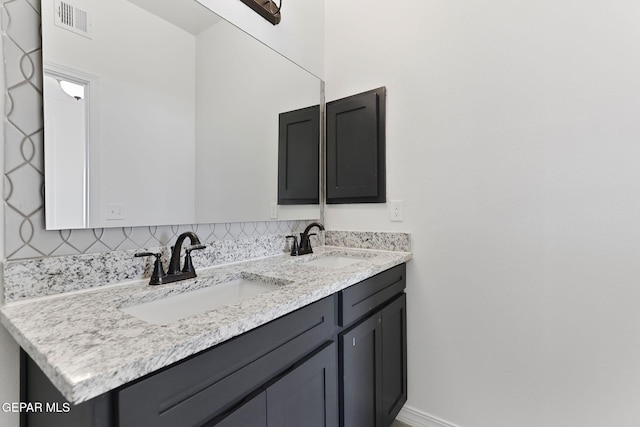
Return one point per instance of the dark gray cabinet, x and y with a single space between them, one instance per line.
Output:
394 359
355 153
338 361
213 382
299 157
36 387
306 396
362 374
373 352
252 412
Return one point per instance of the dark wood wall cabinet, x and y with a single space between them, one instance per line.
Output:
340 361
355 152
299 157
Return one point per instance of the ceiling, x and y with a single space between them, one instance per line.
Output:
189 15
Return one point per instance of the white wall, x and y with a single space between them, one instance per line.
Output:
512 137
298 36
9 350
140 110
255 83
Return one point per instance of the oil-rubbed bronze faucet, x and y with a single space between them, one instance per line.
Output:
304 247
174 264
174 274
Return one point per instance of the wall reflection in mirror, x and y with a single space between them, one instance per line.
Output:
177 122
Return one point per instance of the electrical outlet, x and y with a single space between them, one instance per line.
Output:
115 211
274 210
396 210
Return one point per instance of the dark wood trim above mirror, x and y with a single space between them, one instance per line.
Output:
264 8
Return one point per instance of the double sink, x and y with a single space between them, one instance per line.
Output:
175 307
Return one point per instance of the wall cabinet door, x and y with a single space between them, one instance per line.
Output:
306 395
356 148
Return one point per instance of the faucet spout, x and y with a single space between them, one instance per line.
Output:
305 243
174 263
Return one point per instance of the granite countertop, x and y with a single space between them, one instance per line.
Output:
87 345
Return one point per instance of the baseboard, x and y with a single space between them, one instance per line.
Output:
416 418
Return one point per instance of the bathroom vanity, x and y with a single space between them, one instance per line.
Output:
327 347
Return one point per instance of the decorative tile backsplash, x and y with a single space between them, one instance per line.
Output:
25 234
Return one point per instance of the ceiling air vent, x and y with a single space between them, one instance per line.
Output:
72 18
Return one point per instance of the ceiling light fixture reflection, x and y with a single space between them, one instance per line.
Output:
74 90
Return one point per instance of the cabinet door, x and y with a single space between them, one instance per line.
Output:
361 376
306 395
252 413
356 148
394 359
299 157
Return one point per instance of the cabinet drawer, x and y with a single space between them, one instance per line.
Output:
193 391
358 300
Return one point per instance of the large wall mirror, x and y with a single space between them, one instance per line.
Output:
161 113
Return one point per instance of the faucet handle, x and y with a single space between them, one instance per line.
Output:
305 243
141 254
294 247
188 263
158 270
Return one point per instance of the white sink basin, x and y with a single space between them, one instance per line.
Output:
176 307
333 261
